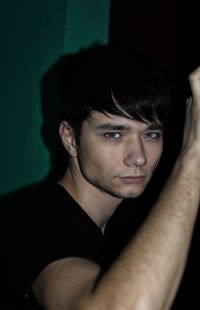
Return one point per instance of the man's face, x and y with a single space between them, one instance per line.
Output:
118 155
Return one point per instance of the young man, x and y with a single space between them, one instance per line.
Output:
112 129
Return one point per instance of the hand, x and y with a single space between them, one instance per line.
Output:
192 120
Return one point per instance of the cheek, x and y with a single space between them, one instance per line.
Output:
103 160
98 158
90 156
155 155
96 151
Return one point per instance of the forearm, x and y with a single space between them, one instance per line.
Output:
148 272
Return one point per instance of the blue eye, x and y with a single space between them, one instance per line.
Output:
112 135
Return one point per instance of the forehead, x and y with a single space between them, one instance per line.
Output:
101 121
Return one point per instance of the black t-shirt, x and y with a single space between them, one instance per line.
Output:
47 224
36 230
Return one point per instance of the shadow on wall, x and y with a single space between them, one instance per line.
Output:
61 74
50 107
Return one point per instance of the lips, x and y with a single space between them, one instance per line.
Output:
133 179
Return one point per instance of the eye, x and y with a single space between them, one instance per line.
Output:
112 135
152 135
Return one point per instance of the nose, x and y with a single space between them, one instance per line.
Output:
135 154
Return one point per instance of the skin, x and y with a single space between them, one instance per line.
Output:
115 159
148 272
119 155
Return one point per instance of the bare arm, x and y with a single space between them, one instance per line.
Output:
148 272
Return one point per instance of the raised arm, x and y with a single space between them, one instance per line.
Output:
147 274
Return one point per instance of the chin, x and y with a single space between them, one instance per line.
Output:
135 193
132 195
126 195
121 193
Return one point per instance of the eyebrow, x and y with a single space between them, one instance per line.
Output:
111 126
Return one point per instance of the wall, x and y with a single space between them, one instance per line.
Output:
34 34
148 24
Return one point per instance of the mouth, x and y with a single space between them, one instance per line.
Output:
133 179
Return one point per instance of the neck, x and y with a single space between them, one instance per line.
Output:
97 204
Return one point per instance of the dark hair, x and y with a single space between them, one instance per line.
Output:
137 83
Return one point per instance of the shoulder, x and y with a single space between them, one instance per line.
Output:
41 227
36 199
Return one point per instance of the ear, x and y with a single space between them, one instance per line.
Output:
66 133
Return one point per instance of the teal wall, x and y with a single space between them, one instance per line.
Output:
87 22
34 34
